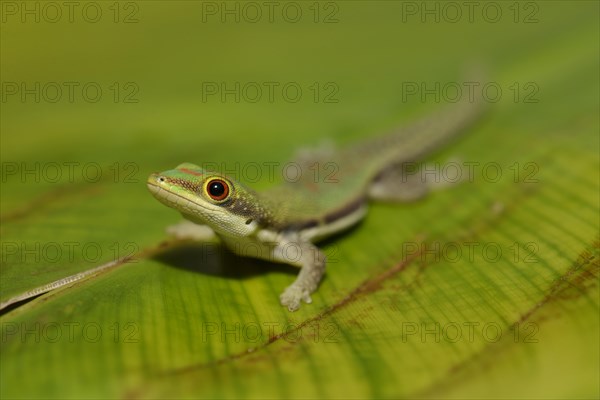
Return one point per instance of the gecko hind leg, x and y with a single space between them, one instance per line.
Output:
403 185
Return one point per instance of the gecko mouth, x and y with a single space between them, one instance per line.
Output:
177 201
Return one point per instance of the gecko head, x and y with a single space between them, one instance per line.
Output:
209 198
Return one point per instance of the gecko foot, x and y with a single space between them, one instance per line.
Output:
293 295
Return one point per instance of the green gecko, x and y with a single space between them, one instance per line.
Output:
302 212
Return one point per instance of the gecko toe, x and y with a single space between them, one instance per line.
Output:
293 296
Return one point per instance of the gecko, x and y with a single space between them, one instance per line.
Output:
301 212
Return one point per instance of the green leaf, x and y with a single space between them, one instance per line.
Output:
485 289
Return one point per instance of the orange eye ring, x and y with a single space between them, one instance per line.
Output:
217 189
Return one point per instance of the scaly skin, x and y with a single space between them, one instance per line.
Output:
303 212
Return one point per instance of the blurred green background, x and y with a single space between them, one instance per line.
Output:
180 321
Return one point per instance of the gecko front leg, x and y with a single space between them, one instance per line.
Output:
311 261
188 230
311 272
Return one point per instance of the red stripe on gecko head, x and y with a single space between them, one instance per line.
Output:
191 172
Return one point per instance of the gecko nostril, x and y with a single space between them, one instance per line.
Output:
161 179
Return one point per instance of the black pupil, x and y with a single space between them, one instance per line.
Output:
216 189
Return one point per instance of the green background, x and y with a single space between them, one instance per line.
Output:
184 319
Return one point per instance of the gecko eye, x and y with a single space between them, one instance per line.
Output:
217 189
